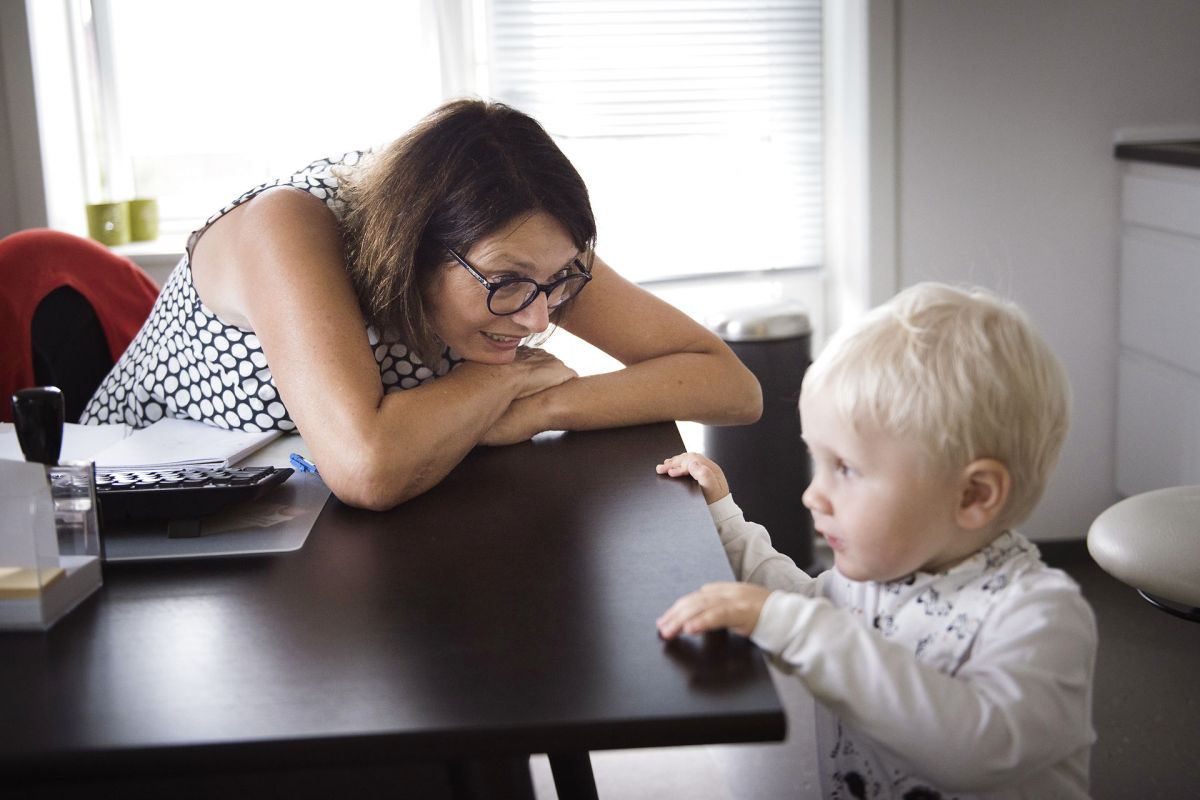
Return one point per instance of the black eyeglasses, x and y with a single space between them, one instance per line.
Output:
509 295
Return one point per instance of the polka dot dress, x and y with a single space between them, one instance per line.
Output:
187 363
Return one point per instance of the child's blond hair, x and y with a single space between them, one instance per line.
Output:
961 373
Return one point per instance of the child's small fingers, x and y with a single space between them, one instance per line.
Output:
667 463
667 629
708 619
679 607
692 613
684 609
670 623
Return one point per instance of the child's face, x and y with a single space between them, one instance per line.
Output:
884 514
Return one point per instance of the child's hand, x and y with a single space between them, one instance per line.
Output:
703 471
736 606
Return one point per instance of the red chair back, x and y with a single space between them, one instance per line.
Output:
36 262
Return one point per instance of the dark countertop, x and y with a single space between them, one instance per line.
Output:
1185 153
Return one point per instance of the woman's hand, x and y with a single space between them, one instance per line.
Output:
736 606
527 416
520 423
538 371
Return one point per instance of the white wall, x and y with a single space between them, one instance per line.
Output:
1006 115
8 202
22 196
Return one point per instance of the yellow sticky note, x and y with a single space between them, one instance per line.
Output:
22 582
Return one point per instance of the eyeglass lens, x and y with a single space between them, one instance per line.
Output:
512 296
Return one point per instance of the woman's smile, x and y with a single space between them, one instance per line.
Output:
502 341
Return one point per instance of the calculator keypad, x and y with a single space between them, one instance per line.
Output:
187 476
184 492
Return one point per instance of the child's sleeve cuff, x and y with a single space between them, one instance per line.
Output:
782 616
724 509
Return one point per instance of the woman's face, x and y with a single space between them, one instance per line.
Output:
537 247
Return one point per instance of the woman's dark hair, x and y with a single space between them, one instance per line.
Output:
464 172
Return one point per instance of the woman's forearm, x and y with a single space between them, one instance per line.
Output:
405 442
675 368
412 439
702 387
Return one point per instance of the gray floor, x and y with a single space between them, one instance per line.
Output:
1147 702
1146 711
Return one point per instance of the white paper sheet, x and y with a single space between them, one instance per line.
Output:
167 442
80 442
170 442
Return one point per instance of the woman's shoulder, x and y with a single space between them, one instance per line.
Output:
320 178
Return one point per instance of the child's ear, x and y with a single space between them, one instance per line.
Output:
985 487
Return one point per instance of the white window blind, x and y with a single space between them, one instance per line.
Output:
697 124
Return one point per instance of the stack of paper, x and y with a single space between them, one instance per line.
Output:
171 442
166 443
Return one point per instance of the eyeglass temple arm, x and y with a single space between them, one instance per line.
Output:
474 272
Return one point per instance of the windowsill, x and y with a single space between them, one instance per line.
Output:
158 257
167 243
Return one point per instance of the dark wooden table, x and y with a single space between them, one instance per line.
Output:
508 611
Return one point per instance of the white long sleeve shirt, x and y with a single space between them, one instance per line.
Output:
974 682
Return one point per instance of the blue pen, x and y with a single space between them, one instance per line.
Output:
303 464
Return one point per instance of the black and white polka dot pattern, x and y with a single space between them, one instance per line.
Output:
187 363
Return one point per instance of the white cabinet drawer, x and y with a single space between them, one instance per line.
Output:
1166 198
1158 426
1160 296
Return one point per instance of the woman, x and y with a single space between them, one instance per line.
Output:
455 243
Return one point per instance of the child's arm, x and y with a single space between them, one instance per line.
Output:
747 544
1021 704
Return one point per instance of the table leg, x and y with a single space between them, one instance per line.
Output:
491 779
573 779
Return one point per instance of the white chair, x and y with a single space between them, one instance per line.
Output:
1151 541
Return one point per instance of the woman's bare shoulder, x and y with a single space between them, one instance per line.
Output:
282 228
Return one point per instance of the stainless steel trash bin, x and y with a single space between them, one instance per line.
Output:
767 463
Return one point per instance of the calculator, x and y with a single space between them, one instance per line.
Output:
180 495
